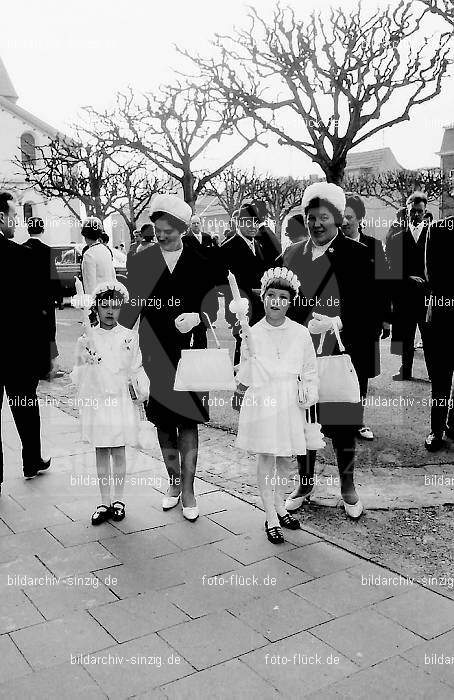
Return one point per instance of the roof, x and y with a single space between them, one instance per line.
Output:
6 87
380 159
28 117
447 145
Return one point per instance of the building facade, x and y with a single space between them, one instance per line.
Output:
446 154
20 134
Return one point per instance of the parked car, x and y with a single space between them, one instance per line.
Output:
68 263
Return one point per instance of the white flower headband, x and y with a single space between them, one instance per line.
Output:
110 287
282 273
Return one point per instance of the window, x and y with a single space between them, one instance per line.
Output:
28 211
27 147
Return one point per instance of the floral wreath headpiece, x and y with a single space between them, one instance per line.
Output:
282 273
110 287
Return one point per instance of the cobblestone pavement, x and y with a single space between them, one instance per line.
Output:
156 607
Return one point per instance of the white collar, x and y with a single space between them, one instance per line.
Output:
319 250
248 241
271 328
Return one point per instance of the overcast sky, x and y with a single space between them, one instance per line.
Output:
64 55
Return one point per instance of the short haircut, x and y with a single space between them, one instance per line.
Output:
147 230
317 202
175 223
108 294
355 202
417 198
296 225
92 232
284 285
5 199
35 225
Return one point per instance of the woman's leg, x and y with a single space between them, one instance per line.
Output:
103 469
168 442
266 469
118 471
306 469
188 445
344 444
279 501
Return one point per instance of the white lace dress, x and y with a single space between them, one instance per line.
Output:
105 365
271 419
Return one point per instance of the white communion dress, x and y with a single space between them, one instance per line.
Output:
105 366
271 419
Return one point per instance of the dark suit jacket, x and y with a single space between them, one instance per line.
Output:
406 259
341 292
50 286
190 239
439 255
24 348
236 256
382 278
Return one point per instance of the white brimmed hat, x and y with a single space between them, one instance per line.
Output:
172 204
325 190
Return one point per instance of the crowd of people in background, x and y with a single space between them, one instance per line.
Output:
347 282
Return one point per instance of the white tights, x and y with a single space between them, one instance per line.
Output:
269 481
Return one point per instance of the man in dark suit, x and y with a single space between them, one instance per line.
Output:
50 286
24 349
206 247
439 257
355 213
196 237
247 258
405 253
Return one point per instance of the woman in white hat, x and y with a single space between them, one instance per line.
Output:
336 279
169 286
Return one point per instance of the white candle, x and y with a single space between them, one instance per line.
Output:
234 286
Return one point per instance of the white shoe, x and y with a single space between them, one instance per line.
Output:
365 433
354 511
292 504
191 513
169 502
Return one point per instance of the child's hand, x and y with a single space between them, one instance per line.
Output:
239 308
186 322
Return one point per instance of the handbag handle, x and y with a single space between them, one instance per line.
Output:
338 338
212 330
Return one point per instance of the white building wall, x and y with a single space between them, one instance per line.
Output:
60 223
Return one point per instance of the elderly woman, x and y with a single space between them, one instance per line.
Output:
336 287
355 212
169 285
97 263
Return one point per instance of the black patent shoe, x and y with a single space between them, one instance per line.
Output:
274 534
289 521
117 509
433 442
43 465
101 514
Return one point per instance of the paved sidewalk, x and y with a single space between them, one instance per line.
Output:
156 607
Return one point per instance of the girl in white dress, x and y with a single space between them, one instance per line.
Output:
279 366
109 377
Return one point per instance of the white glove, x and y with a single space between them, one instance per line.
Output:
186 322
322 324
239 308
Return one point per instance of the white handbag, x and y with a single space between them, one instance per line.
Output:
208 369
337 376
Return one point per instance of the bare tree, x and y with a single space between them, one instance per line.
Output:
443 8
281 194
394 186
232 186
340 78
88 168
177 129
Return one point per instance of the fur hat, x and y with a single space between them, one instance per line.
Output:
172 204
325 190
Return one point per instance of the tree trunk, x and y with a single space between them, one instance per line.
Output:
189 194
335 171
